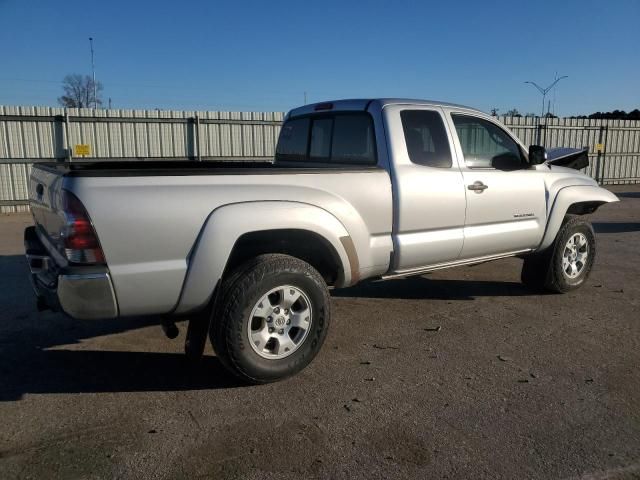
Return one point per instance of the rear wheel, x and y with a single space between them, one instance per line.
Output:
272 318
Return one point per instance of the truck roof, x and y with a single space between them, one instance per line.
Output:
364 103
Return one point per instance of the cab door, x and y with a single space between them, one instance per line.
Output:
505 199
428 188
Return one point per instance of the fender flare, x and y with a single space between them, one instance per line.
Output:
226 224
566 197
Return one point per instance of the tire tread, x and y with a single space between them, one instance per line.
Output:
226 330
543 270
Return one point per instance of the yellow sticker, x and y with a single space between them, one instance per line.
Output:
81 150
599 147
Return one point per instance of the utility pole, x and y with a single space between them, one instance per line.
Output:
544 91
305 98
93 71
554 95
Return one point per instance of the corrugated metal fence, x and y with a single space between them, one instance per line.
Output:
614 145
38 134
35 134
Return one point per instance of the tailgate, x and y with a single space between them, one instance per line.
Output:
45 200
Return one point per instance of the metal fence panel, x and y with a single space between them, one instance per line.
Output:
617 163
33 134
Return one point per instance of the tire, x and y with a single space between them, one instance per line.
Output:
567 263
240 328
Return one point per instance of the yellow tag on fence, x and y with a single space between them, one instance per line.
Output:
600 147
81 150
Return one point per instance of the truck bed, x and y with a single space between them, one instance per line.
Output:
149 216
129 168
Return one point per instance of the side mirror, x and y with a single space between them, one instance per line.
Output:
537 155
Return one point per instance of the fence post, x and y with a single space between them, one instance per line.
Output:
66 130
540 128
604 152
193 138
59 145
599 157
197 136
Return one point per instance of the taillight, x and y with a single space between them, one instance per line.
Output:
79 238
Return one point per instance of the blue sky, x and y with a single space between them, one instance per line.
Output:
263 55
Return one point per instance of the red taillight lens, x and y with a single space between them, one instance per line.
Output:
82 227
80 241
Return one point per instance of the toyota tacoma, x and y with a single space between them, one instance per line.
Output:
247 252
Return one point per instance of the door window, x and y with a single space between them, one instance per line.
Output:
485 145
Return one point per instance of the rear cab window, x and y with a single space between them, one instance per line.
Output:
341 138
293 140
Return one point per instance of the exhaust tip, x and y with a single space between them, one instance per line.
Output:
170 330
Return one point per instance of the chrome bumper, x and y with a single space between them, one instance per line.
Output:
82 292
87 296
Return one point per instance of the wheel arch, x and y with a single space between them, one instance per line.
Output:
573 200
234 232
306 245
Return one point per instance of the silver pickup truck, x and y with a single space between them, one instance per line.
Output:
359 189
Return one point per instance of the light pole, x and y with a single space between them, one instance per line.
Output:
544 91
93 71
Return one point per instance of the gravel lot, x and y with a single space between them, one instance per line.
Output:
512 384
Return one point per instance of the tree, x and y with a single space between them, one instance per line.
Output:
79 92
513 113
615 115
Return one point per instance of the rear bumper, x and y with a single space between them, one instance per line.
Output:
81 292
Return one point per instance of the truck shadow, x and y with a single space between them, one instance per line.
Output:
422 288
38 371
616 227
31 360
627 194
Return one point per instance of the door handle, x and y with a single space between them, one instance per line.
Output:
477 187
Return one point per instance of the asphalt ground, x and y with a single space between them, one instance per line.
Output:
462 373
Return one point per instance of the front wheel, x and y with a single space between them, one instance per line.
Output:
567 263
272 319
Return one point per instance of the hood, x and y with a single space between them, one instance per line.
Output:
576 158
